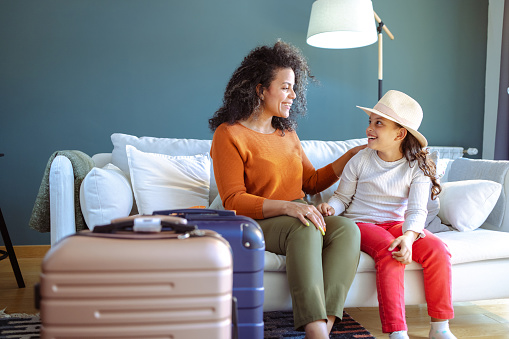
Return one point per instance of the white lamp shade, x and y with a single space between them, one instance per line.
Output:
342 24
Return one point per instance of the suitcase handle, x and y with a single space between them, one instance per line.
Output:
196 211
134 226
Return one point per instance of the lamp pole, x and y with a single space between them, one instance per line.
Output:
381 26
380 59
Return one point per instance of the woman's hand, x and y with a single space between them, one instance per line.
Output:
404 242
326 209
304 212
356 149
301 211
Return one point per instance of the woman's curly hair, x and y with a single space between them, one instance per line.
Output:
413 151
260 67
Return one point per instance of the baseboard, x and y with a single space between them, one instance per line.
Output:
29 251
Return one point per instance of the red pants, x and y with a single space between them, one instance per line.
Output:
430 252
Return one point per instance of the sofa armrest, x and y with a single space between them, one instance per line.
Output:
498 171
57 207
61 190
504 226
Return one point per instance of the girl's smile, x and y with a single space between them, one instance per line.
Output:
385 136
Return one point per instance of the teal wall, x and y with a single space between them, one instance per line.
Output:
74 72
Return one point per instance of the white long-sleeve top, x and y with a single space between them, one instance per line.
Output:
375 191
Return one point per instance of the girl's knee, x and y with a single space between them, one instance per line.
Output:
442 253
435 247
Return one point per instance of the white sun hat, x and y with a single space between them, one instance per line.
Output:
400 108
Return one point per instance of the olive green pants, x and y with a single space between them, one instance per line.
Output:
320 269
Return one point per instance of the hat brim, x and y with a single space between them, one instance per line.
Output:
422 140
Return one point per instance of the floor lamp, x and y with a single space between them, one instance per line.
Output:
380 51
347 24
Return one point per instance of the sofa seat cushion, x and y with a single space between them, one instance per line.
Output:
465 247
277 263
478 245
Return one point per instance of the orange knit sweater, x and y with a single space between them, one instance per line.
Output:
250 167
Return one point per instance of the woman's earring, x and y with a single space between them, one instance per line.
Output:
258 105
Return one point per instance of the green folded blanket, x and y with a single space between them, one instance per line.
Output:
81 164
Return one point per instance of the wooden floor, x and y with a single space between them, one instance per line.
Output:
482 319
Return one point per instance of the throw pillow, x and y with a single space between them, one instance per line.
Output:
105 194
217 204
466 204
162 182
168 146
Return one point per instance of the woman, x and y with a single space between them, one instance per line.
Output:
262 172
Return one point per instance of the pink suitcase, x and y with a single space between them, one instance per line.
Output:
137 285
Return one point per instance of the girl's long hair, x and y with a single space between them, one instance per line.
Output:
413 151
260 66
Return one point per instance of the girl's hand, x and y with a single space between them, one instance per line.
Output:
405 242
326 209
306 213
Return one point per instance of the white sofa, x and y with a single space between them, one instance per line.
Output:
480 257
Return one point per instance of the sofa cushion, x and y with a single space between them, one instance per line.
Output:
105 194
277 263
216 204
163 181
465 247
478 245
473 169
168 146
466 204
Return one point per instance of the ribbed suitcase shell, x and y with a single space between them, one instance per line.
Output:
95 287
248 245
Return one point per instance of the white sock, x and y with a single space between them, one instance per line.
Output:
440 330
399 335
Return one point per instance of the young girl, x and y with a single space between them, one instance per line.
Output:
385 189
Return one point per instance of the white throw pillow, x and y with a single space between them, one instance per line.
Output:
217 204
168 146
105 194
162 182
466 204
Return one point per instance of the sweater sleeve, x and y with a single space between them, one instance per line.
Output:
342 197
229 173
416 213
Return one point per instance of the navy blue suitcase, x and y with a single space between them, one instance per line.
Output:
248 245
